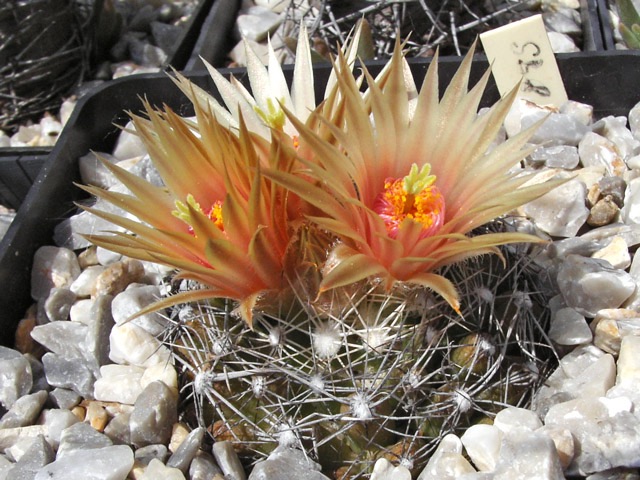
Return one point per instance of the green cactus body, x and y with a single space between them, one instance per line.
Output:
362 374
629 23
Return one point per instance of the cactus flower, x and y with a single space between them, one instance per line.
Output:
217 219
403 182
262 108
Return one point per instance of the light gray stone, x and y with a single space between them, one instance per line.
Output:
558 156
83 286
53 267
81 436
447 462
37 456
598 151
228 460
108 463
73 374
482 445
58 304
589 285
156 469
133 345
541 461
25 410
129 144
562 43
203 467
514 418
562 211
585 372
569 327
257 23
99 326
563 20
64 398
628 371
383 469
607 433
132 301
581 112
63 338
182 457
286 463
615 130
16 377
118 429
55 421
144 455
611 326
93 171
153 416
10 436
119 383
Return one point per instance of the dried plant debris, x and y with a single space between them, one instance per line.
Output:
451 25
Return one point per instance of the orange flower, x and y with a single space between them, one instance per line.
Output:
403 181
217 220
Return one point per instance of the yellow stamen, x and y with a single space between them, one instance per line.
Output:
413 197
215 215
274 116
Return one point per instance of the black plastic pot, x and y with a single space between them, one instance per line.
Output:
606 80
207 34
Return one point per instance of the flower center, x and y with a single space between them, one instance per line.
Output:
183 213
413 197
215 214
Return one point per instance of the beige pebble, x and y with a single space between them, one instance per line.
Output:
616 253
117 277
564 442
603 212
179 433
79 412
97 416
88 257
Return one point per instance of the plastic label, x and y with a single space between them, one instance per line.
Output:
521 51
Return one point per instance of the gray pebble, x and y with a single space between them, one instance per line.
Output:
153 416
182 457
81 436
55 421
37 374
113 463
16 379
118 429
58 304
286 463
53 267
589 285
228 460
64 398
62 338
25 410
73 374
203 467
99 327
37 456
144 455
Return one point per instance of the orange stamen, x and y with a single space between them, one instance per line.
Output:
424 205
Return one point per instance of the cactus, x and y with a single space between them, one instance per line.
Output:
629 25
361 374
335 259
